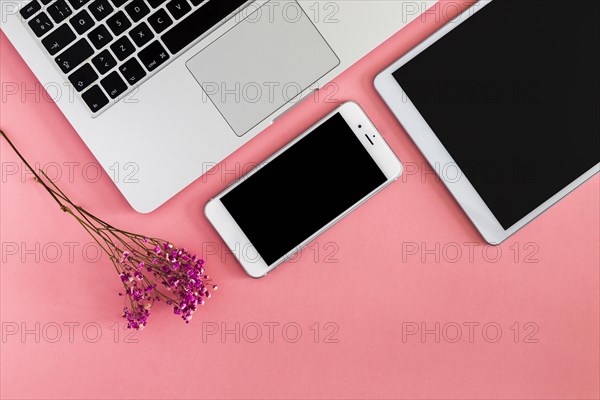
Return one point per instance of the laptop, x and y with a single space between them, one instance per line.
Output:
163 90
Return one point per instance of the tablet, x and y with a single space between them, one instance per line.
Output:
504 102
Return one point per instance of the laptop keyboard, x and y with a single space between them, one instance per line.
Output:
106 47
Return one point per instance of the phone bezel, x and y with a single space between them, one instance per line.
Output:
238 242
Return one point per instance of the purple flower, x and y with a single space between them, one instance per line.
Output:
179 273
171 274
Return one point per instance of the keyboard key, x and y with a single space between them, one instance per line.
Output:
198 22
118 3
160 21
101 9
155 3
137 10
82 22
153 56
118 23
58 39
122 48
83 77
141 34
59 11
100 37
45 2
95 98
41 24
77 4
114 85
104 62
178 8
30 9
132 71
69 59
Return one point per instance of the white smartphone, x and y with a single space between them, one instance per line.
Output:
303 189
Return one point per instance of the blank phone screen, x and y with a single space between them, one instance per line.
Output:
303 189
513 94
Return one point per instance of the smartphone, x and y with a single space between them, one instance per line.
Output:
306 187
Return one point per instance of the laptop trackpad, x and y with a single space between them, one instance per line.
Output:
262 63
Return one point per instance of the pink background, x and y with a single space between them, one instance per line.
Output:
383 284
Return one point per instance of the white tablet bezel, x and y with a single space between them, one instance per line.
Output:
437 155
241 246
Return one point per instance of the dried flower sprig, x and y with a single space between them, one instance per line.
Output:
151 269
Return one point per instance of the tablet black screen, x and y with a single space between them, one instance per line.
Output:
513 93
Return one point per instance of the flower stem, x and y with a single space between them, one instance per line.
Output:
30 168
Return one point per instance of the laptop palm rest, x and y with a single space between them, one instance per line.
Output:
262 63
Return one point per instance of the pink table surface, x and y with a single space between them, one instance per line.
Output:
400 300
